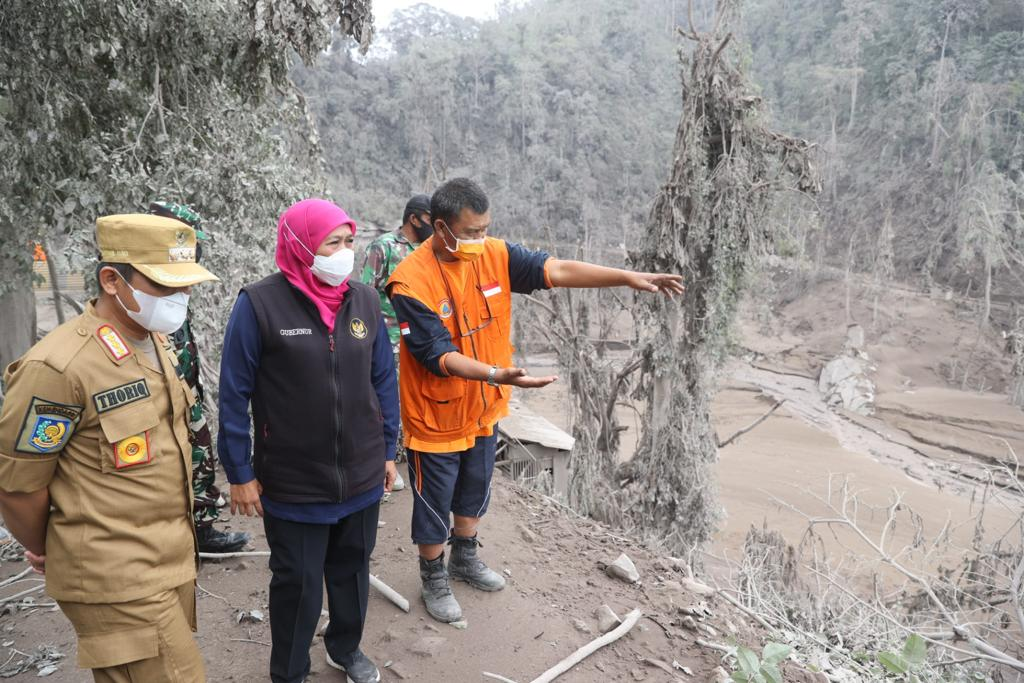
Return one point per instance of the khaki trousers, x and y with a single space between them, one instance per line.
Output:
143 641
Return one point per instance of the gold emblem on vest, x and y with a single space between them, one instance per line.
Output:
358 328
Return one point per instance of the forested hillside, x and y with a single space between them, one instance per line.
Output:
565 110
917 108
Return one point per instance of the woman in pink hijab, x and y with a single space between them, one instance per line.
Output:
307 351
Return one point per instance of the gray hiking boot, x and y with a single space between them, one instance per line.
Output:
357 667
466 565
437 594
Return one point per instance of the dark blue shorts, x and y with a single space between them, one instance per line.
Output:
447 483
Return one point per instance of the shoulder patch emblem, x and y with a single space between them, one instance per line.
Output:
444 309
113 343
47 426
108 399
358 328
132 451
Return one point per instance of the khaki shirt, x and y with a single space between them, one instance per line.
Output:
107 432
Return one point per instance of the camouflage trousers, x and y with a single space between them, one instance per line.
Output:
400 449
204 472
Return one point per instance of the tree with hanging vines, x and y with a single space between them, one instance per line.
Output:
709 223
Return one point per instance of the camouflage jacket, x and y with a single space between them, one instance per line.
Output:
382 257
188 364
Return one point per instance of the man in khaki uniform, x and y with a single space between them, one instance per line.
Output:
95 461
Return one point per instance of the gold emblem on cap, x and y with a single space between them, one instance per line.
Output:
181 236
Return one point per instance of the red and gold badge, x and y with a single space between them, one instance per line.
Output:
113 342
132 451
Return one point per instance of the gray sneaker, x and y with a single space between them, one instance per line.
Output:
357 667
437 593
466 565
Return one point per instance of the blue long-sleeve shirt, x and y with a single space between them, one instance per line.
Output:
239 366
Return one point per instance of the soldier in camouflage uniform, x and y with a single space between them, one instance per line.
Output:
205 510
383 256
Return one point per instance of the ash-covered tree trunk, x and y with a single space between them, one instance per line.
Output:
594 385
708 222
1015 347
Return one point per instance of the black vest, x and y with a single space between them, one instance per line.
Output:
319 435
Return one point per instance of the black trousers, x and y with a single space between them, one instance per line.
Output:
304 557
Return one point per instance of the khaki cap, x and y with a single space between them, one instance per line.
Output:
162 249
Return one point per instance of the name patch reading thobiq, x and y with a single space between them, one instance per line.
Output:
108 399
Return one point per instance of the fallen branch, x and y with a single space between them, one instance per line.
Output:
713 646
590 648
213 595
249 640
723 444
16 577
496 677
21 594
389 593
750 613
228 556
385 590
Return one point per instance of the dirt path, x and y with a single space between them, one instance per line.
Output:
556 583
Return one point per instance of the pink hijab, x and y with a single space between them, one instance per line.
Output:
308 222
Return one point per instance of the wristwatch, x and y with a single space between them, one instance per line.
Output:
491 374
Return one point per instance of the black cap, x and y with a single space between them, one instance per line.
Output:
419 204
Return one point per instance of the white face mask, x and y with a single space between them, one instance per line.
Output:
163 314
332 270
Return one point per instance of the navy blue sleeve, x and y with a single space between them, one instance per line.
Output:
385 383
423 333
526 269
238 365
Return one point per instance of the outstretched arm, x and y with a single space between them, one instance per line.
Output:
465 367
579 274
431 345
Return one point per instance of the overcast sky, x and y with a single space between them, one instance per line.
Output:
478 9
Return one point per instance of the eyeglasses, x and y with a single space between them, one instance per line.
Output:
464 319
487 321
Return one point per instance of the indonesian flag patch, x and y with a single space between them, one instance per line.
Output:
404 327
491 289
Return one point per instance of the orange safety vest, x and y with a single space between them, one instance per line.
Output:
447 414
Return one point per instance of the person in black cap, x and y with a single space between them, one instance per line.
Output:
205 510
382 257
387 251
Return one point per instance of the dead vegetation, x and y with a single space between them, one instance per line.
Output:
847 612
